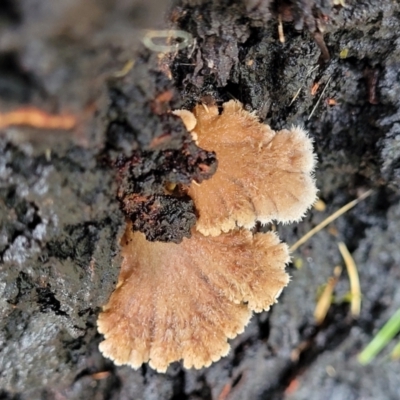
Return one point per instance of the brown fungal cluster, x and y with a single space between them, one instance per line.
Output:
184 301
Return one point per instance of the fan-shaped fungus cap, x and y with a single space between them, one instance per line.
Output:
262 174
184 301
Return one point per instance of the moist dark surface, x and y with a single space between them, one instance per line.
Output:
64 194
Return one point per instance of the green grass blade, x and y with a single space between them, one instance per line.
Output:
382 338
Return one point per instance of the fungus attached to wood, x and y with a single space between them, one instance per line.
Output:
262 175
183 301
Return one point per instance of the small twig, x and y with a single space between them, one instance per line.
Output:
100 375
280 29
296 95
320 97
37 118
328 220
319 39
355 304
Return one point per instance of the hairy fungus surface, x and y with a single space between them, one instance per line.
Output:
262 175
184 301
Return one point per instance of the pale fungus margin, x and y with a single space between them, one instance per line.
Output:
262 175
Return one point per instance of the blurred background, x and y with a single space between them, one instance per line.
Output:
80 84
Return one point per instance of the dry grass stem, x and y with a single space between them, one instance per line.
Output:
355 305
328 220
325 300
310 71
320 97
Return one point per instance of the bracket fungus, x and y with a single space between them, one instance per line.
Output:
183 301
262 175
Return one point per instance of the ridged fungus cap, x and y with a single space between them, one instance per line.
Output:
262 175
183 301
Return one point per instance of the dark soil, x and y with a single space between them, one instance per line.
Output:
64 195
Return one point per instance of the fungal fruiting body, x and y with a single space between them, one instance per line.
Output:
262 175
183 301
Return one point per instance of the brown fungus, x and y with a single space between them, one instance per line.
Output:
184 301
262 175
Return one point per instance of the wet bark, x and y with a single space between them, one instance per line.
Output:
63 192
